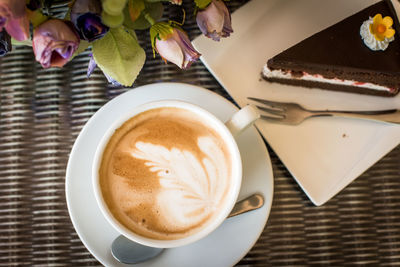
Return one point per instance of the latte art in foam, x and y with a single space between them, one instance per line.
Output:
191 189
165 174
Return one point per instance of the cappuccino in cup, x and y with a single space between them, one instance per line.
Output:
165 173
168 173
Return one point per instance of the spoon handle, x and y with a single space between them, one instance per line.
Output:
252 202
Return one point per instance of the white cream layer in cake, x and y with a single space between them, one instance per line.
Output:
280 74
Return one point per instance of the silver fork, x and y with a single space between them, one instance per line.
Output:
294 114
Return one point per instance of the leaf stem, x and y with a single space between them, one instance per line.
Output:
149 18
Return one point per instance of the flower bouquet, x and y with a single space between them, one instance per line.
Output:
108 28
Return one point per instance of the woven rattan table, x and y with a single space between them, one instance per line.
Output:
43 111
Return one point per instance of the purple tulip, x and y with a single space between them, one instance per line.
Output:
85 14
13 18
215 20
177 48
54 42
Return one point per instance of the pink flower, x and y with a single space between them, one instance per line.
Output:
215 20
13 18
177 48
54 42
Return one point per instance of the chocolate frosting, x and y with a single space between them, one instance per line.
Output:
339 52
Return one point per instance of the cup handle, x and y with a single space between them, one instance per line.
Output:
242 119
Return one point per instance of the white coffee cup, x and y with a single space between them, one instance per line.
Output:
238 122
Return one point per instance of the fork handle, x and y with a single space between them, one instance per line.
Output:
392 116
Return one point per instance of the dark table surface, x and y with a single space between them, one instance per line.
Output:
42 113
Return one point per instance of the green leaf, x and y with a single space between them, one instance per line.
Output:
132 32
202 3
113 7
155 10
111 20
135 7
36 18
119 55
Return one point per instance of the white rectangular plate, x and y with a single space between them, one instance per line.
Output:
324 155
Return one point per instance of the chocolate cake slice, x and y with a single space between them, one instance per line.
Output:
337 58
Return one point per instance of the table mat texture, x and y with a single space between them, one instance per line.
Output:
42 113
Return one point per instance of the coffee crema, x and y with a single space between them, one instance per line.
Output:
165 174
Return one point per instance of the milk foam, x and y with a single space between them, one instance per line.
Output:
192 187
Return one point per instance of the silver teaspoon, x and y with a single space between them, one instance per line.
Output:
129 252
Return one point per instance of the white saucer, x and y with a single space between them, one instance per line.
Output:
226 245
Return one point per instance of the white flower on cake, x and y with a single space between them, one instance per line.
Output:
377 32
192 187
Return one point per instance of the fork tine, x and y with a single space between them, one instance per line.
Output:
274 104
278 112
